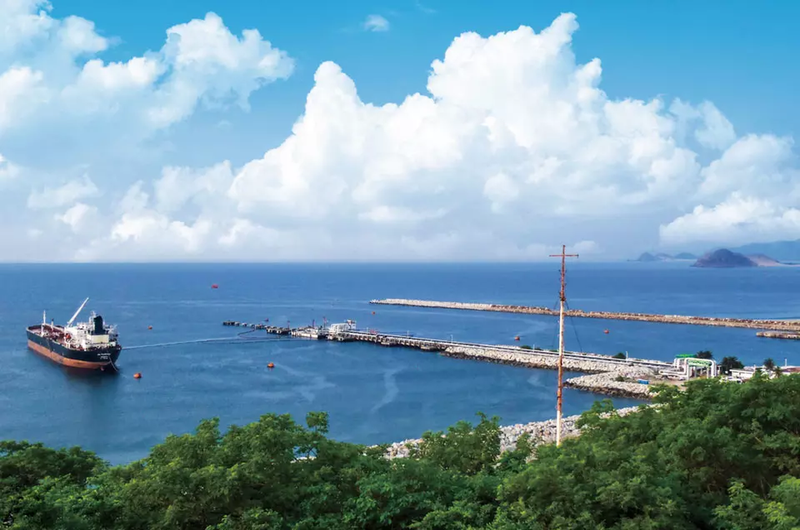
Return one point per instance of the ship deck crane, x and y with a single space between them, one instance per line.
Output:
78 312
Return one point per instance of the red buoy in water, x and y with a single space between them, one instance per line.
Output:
214 286
605 331
516 338
373 312
149 327
271 365
137 375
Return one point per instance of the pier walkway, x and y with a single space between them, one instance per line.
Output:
516 355
773 325
446 346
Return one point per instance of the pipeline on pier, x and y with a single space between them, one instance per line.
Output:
516 355
775 325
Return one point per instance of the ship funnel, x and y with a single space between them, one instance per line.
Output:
98 325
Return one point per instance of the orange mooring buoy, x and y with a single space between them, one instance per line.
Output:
271 365
605 331
373 312
214 286
137 375
149 327
516 338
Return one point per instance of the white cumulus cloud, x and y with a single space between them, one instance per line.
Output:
738 219
63 195
376 23
8 170
751 193
77 216
53 78
513 149
513 139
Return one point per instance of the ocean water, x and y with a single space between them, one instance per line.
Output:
372 394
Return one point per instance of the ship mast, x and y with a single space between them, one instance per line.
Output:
563 297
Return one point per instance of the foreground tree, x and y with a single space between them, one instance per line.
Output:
718 455
730 363
30 473
666 467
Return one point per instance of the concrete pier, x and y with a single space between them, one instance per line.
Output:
775 325
628 370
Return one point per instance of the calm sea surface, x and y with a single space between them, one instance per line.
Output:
373 394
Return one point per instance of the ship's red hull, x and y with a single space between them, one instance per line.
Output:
66 361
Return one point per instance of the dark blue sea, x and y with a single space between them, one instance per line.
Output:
372 394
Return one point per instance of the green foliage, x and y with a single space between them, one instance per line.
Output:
704 354
747 510
730 363
769 364
465 448
718 456
29 473
525 347
620 355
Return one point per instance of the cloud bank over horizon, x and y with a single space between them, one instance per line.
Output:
513 150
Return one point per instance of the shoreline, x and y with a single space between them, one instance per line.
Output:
542 433
746 323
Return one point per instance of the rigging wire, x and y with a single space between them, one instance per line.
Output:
555 307
220 340
554 342
574 328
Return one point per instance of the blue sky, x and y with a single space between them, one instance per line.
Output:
729 52
736 56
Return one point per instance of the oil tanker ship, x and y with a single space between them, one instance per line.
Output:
91 345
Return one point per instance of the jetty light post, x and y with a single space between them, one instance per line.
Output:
563 298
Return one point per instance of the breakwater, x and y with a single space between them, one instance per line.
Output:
774 325
621 383
573 362
779 335
540 432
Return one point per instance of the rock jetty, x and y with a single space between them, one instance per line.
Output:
541 433
779 335
620 383
586 363
775 325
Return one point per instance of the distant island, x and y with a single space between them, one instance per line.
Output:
727 259
780 250
660 256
